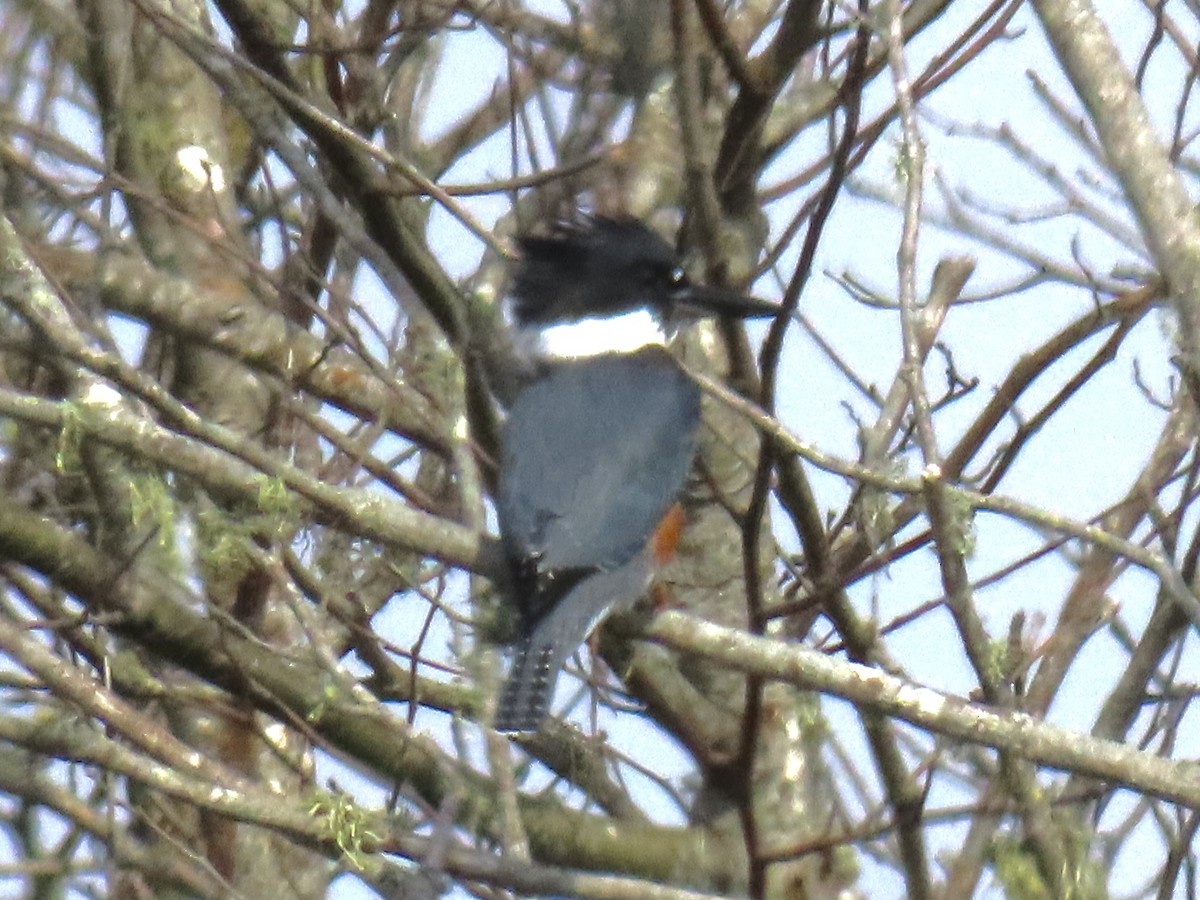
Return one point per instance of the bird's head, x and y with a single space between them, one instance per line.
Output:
609 286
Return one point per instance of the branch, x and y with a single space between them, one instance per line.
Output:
1034 740
330 823
238 470
33 783
252 334
1160 199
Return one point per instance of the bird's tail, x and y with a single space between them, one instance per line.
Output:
525 697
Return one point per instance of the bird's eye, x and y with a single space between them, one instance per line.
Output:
660 277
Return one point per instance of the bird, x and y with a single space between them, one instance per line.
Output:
598 444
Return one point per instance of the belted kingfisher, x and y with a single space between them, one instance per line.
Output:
598 445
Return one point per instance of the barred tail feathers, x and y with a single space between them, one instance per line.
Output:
526 696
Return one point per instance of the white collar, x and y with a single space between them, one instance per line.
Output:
589 337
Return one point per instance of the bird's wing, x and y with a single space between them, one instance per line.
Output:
595 453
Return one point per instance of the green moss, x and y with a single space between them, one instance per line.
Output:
1017 871
1016 868
997 665
277 505
348 825
67 459
962 522
221 543
152 504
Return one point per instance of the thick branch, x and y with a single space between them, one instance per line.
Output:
1036 741
1156 192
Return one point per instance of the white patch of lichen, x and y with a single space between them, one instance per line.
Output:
795 764
101 394
921 700
198 171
